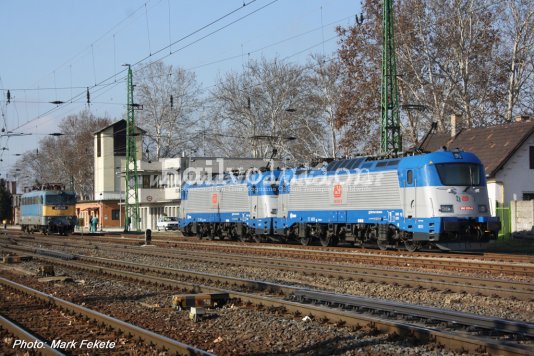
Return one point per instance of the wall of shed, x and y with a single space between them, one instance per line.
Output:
516 176
522 218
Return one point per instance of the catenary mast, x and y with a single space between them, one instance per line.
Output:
132 189
390 134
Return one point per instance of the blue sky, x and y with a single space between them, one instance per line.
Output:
51 50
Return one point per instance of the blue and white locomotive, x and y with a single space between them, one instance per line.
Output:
435 199
48 208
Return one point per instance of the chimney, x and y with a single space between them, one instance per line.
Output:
456 120
522 118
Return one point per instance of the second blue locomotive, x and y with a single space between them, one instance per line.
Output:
436 199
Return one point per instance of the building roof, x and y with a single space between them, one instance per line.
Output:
116 123
494 145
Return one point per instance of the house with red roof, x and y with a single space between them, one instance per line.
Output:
507 152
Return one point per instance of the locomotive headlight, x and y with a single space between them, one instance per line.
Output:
446 208
482 208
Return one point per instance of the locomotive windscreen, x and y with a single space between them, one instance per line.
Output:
60 199
459 173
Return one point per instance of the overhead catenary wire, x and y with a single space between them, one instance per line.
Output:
171 52
142 60
110 30
148 31
270 45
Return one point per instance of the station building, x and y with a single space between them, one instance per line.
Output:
159 182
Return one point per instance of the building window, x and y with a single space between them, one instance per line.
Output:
119 138
146 182
99 144
115 214
528 196
531 157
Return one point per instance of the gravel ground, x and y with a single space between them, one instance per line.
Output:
233 329
483 305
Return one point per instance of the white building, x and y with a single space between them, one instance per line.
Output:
507 152
159 181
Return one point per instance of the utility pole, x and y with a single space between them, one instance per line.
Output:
131 202
390 132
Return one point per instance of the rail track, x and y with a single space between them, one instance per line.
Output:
476 286
459 331
9 331
352 257
488 257
55 320
434 263
165 239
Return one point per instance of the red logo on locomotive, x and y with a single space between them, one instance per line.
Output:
214 199
338 189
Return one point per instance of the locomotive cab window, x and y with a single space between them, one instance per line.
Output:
466 174
409 177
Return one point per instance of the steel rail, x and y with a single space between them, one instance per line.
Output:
408 309
497 324
401 261
444 315
148 336
453 341
23 334
481 286
387 260
482 257
477 286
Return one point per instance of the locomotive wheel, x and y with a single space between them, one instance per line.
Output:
412 246
202 231
335 241
382 243
326 241
257 238
305 241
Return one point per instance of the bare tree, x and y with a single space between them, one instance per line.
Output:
262 108
169 97
449 60
325 92
518 35
358 116
66 159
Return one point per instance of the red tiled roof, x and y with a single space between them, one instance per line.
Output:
494 145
